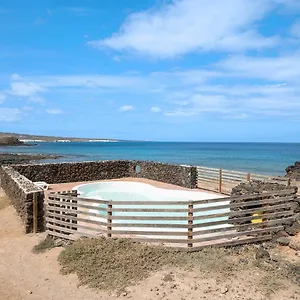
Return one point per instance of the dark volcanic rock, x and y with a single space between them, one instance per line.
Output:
9 158
252 188
293 171
10 141
294 229
283 241
257 187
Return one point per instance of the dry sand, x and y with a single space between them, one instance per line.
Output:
24 275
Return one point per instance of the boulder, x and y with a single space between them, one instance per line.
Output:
293 171
283 241
293 229
262 254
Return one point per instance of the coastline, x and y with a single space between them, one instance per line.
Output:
20 158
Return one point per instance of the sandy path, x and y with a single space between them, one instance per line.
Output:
24 275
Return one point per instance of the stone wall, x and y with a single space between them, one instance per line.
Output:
74 172
21 191
185 176
88 171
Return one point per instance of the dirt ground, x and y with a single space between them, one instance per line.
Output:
24 275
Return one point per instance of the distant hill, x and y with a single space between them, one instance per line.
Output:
43 138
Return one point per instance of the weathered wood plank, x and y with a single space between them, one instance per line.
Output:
247 240
74 218
246 211
241 227
54 221
58 197
73 204
236 234
244 219
247 203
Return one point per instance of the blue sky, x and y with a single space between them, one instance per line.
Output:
185 70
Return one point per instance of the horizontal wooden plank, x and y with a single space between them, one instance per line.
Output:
161 233
148 218
62 197
234 234
244 219
72 236
151 225
74 218
286 192
71 212
114 209
243 204
72 204
72 231
74 225
241 227
163 240
247 240
158 202
246 211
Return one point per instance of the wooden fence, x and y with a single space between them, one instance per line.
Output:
223 181
187 225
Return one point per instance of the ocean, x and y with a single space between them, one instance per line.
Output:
264 158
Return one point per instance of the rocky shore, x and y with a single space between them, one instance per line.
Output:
9 158
12 141
293 171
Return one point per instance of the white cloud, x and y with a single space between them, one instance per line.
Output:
9 114
101 81
15 77
54 111
295 29
155 109
24 89
184 26
2 98
126 108
202 103
36 99
282 68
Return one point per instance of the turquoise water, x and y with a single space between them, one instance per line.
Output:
266 158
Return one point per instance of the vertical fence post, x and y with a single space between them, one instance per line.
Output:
109 219
220 181
190 223
288 182
35 213
248 177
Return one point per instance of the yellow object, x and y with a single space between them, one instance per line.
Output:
257 220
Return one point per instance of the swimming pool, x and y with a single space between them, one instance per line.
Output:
137 191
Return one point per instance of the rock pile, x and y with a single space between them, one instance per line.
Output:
293 171
257 187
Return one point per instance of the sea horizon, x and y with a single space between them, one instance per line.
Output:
254 157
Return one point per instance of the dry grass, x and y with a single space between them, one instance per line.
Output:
113 264
43 246
4 202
